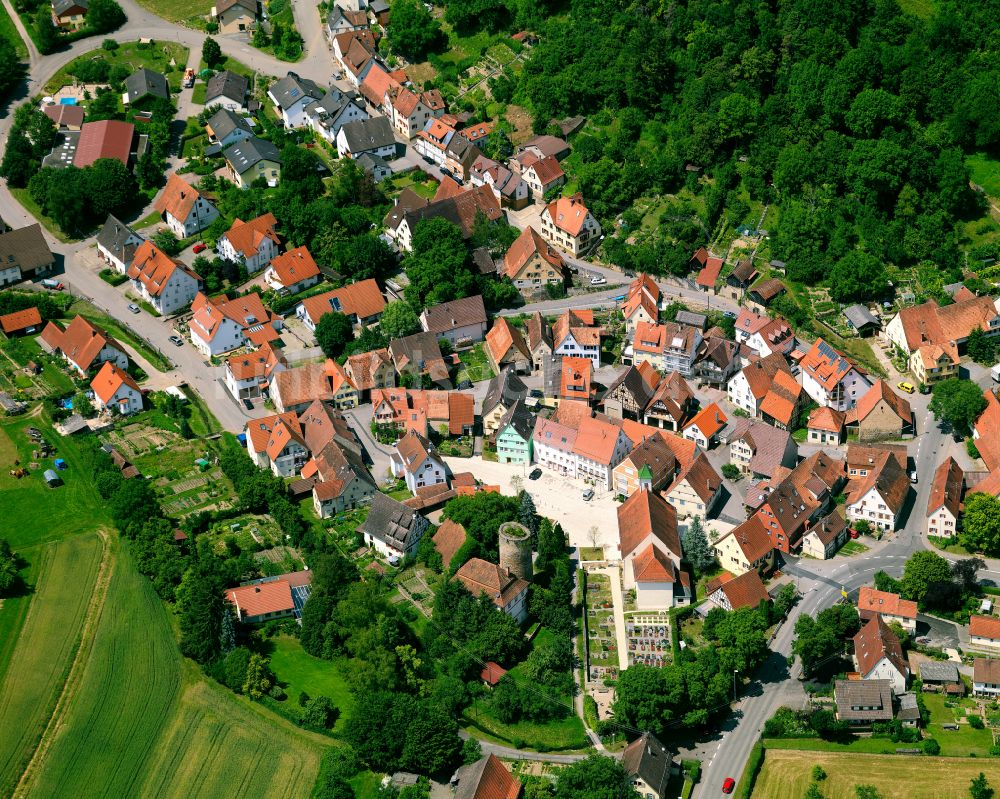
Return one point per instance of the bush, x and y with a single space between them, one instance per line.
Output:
976 722
731 471
932 747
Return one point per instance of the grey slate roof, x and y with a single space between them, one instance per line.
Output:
634 384
520 418
392 522
506 388
245 154
331 105
223 122
859 316
60 7
291 89
227 84
368 134
938 671
454 314
369 162
145 82
114 237
908 708
649 760
379 6
698 320
863 700
25 248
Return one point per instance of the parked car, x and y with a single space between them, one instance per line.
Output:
248 405
199 247
55 285
598 280
465 384
176 341
133 308
536 393
728 784
588 495
534 474
729 314
913 477
904 386
854 533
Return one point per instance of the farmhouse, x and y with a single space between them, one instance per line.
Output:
862 703
461 322
881 413
531 263
745 591
944 503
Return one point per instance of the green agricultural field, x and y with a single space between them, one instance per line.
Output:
222 746
788 774
34 512
143 721
45 649
299 671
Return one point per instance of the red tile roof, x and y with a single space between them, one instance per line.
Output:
362 299
827 419
873 601
294 266
946 489
745 591
652 565
107 138
247 237
20 320
524 248
492 673
645 514
108 380
709 420
568 214
448 539
876 641
152 267
709 273
985 627
177 198
256 600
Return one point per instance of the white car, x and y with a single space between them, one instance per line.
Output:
598 281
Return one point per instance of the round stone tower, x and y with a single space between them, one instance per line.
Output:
515 549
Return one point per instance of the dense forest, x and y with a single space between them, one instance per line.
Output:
853 117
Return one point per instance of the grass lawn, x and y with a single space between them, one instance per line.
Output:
788 774
156 58
45 649
475 365
9 32
853 548
190 12
563 733
199 92
416 180
964 741
232 65
203 422
877 746
33 512
299 671
985 171
592 553
122 333
35 210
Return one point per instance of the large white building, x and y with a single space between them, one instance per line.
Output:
166 284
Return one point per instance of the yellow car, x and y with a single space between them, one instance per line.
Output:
904 386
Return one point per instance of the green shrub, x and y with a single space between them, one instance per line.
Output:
976 722
932 747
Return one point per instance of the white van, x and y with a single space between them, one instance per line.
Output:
995 373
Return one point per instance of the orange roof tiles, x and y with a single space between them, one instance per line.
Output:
448 539
575 378
596 440
568 214
502 337
652 565
827 419
946 489
873 601
247 237
526 246
985 627
20 320
177 198
263 598
152 267
107 138
362 299
81 342
498 583
108 380
745 591
878 393
709 420
645 514
294 266
876 641
709 274
752 539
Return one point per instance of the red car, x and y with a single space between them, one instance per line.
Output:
199 247
728 785
854 533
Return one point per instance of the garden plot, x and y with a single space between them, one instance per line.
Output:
602 644
279 560
135 440
251 533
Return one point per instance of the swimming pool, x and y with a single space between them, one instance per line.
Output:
67 101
